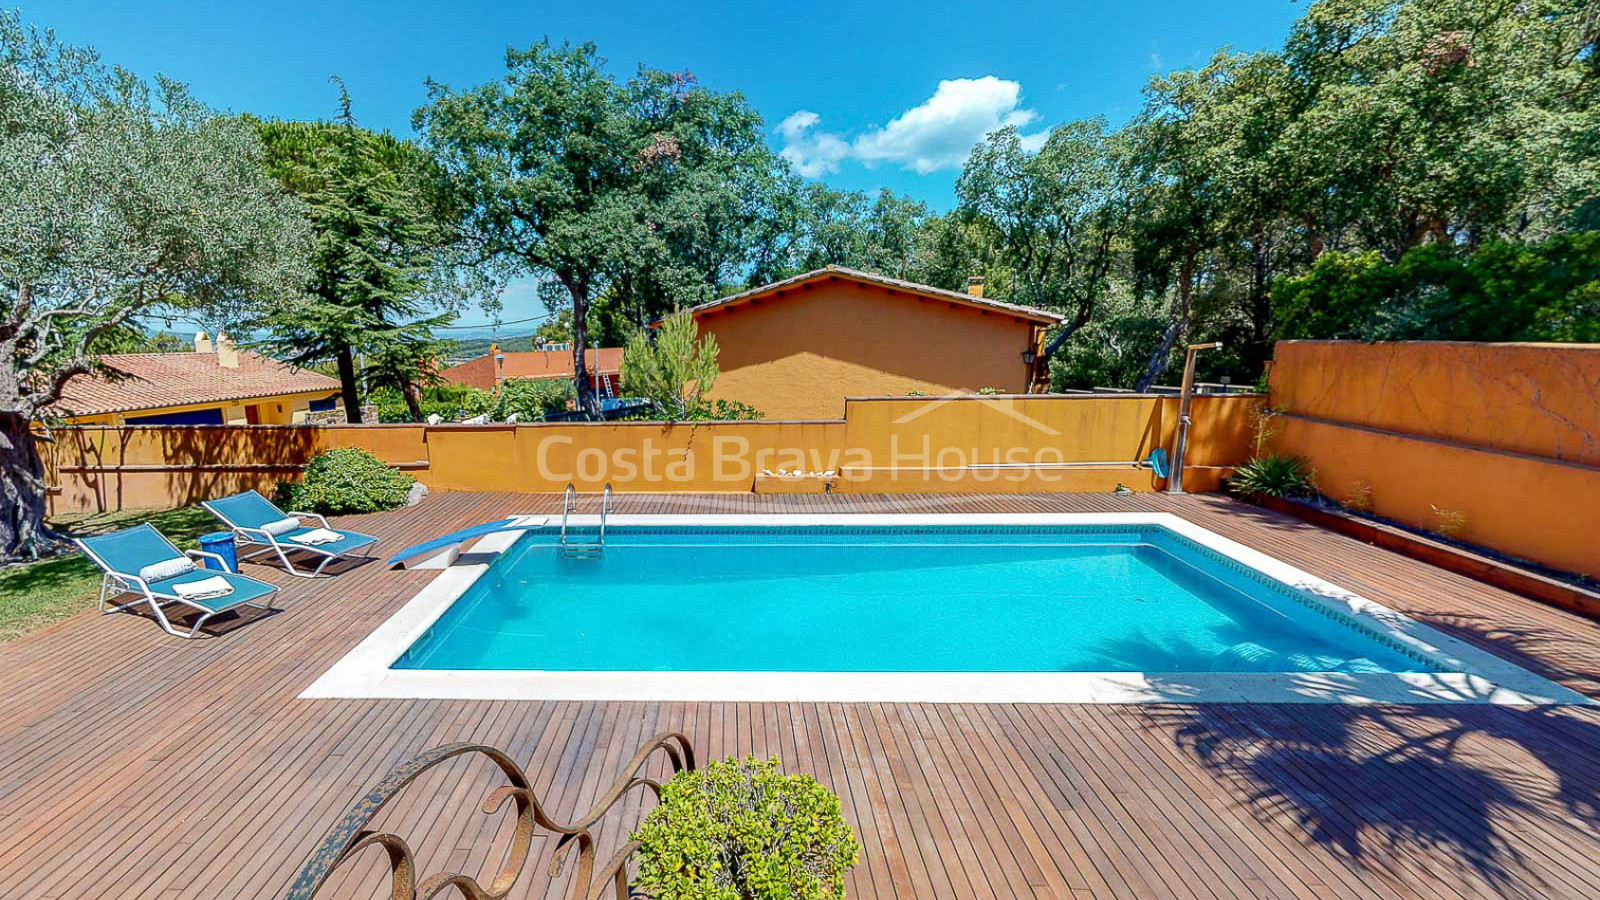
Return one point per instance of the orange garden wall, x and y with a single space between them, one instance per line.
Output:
882 444
1502 438
800 354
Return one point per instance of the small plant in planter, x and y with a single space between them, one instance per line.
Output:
1274 475
346 480
1449 522
1360 498
742 830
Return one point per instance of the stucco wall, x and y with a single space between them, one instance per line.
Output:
894 445
800 354
1501 441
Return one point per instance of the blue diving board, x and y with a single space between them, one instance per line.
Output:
467 534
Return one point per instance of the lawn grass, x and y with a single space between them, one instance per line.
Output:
38 593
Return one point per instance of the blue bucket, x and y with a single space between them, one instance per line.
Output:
220 543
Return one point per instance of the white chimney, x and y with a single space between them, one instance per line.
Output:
202 342
227 353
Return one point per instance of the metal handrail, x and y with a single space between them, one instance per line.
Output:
567 503
605 510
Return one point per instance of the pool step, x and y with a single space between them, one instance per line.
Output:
574 549
582 549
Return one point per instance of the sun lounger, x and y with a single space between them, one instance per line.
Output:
142 561
257 523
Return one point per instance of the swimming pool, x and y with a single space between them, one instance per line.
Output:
1069 598
1116 607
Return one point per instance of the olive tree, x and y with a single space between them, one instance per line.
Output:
122 198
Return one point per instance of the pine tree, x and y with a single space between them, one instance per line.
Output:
376 289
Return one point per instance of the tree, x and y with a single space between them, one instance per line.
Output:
1502 291
704 184
382 279
671 367
1454 121
1058 215
650 191
122 198
557 329
1199 146
133 339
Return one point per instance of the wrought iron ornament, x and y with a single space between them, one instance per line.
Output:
351 836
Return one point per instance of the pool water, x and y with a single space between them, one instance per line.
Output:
900 599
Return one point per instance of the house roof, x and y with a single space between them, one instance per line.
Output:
480 371
159 380
1042 316
551 363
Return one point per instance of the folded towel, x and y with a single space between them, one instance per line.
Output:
215 586
316 536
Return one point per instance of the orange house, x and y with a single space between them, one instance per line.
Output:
795 349
487 371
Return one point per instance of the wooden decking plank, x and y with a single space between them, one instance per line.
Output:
1107 758
103 712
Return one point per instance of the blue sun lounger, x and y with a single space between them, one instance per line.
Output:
257 522
142 561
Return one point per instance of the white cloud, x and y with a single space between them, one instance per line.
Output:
937 134
812 154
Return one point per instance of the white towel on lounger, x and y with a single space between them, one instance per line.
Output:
205 588
316 536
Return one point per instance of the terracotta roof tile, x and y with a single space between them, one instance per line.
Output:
533 364
180 379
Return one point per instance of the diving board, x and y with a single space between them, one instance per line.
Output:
451 543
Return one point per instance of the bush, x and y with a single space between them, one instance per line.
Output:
531 399
672 365
450 402
722 411
1501 291
704 411
742 830
1274 475
346 480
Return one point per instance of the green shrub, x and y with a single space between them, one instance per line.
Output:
346 480
742 830
1274 475
722 411
531 399
704 411
450 402
1499 291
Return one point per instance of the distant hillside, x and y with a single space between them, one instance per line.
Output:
472 348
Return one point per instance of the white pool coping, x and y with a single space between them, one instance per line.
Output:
1468 674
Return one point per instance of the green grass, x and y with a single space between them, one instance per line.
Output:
36 594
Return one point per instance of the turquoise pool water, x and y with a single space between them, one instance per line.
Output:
978 599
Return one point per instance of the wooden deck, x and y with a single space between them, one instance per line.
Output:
136 765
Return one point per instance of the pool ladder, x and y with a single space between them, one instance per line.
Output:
571 547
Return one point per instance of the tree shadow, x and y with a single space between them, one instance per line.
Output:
1563 656
1394 788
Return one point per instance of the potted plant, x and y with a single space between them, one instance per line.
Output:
742 830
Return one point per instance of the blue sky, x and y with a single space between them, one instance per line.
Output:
861 95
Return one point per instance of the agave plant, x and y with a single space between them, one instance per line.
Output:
1274 475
